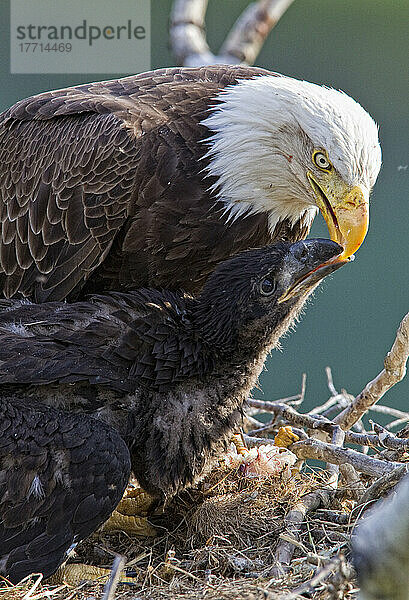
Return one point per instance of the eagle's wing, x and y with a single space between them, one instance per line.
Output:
80 169
120 341
61 475
65 183
63 343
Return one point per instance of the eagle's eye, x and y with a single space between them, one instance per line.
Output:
267 286
321 161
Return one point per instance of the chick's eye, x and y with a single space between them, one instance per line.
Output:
267 287
321 161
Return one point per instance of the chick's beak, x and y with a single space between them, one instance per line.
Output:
307 263
344 208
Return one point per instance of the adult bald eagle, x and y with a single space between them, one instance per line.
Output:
168 372
153 179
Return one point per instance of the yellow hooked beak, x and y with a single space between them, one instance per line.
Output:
344 208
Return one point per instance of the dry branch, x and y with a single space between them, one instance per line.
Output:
187 33
243 43
336 455
394 371
353 481
383 485
307 588
292 416
382 438
338 437
293 522
251 29
113 581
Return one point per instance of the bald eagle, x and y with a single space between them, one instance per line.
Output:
166 372
154 179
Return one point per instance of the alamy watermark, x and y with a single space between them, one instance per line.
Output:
79 36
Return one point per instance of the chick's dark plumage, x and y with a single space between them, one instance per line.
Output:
61 476
170 373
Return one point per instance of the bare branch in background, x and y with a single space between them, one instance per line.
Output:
251 29
187 33
394 371
243 43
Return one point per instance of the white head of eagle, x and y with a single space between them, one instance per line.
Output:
290 147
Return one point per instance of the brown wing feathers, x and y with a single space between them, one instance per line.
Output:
67 216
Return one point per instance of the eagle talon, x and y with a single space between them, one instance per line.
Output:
130 514
285 437
132 525
238 440
76 573
135 501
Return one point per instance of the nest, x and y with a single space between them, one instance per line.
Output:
217 541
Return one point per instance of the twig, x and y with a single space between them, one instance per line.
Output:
333 405
386 440
381 486
251 29
249 422
396 423
297 401
243 43
292 416
336 401
330 403
360 429
328 515
394 371
308 586
112 583
179 570
330 453
353 482
330 381
293 521
338 437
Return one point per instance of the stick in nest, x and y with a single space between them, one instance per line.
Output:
293 522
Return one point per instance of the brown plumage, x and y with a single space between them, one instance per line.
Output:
102 187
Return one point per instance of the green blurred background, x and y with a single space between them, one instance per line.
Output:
361 47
